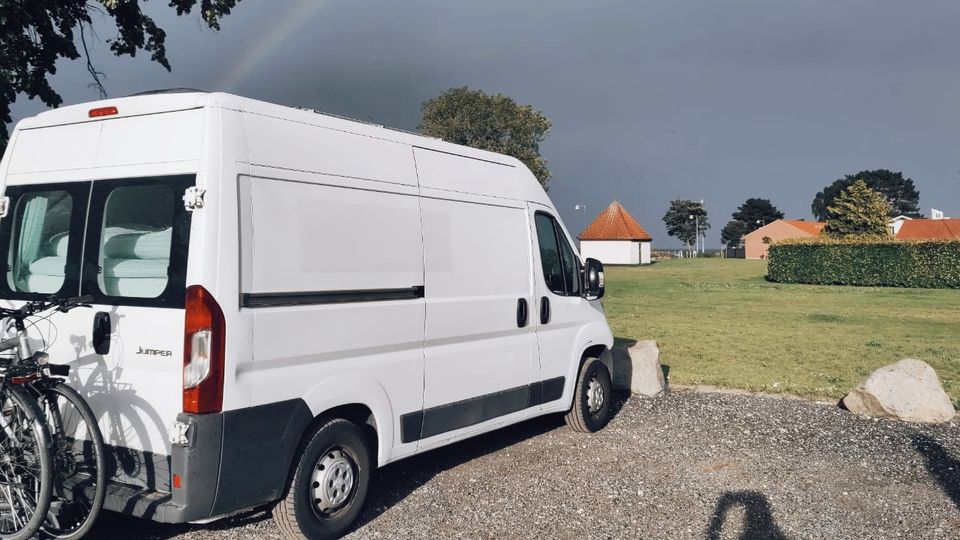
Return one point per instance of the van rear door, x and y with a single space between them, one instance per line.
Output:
96 209
126 354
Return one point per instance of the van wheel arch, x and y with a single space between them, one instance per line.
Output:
600 352
358 413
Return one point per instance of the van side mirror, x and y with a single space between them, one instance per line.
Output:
593 279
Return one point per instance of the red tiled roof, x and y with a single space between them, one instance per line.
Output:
809 227
615 223
929 229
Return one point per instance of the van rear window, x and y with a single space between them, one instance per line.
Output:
135 241
38 253
137 234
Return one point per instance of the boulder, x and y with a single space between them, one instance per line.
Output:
638 369
908 390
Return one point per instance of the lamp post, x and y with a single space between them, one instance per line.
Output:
697 237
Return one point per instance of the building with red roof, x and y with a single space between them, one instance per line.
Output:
615 237
755 244
929 229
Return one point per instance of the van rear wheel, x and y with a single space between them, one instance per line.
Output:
590 410
329 485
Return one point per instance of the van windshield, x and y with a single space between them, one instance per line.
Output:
134 252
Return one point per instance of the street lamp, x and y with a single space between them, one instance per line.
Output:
761 222
697 238
578 207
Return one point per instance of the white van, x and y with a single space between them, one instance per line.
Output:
285 300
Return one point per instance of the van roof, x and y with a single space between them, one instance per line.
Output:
160 102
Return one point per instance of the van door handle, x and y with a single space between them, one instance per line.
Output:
101 332
544 310
521 312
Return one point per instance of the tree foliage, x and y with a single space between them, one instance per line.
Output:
679 222
733 232
35 34
756 213
900 192
858 212
489 122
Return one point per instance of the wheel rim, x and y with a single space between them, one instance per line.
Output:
595 395
334 480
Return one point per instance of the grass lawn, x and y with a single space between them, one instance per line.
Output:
719 322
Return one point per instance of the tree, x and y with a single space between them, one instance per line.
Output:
900 192
733 232
755 213
495 123
35 34
681 220
858 212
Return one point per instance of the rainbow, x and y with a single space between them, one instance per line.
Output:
267 43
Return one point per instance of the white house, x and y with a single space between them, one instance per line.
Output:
615 237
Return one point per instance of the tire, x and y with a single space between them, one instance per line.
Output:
31 455
78 461
593 382
335 447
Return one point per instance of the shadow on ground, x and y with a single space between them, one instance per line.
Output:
395 482
758 517
391 484
943 467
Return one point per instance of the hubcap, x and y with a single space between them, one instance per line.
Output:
595 395
333 481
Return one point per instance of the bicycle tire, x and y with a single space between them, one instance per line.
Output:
73 512
36 429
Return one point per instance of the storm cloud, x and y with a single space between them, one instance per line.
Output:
650 101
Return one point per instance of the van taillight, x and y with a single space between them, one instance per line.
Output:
205 332
102 111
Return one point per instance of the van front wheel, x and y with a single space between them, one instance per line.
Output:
329 485
590 410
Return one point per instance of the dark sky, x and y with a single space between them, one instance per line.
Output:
650 101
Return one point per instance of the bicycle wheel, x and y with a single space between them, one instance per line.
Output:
27 465
79 467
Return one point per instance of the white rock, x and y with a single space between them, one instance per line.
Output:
907 390
638 369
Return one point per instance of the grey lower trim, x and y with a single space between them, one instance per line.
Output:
232 461
259 446
255 300
460 414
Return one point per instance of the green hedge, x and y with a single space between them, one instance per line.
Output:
884 263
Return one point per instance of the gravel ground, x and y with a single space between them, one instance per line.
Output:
687 465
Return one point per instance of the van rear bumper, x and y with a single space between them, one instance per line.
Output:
232 461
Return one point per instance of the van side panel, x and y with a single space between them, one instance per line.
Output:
293 145
311 238
450 172
480 358
333 275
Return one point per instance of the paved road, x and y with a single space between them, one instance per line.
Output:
688 465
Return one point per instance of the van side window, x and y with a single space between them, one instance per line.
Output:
38 253
560 265
550 254
135 240
571 266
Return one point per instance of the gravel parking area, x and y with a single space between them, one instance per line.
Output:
687 465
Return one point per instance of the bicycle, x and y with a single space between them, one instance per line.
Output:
71 484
